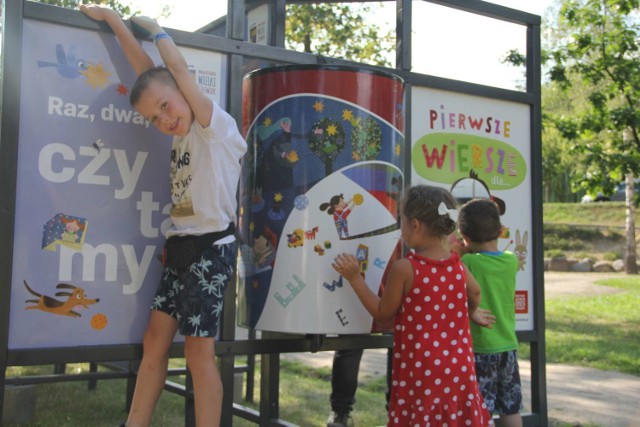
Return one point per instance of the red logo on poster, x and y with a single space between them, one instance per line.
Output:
522 302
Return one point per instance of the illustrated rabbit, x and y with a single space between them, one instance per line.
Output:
521 249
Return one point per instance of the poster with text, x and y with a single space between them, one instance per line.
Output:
258 24
92 191
479 147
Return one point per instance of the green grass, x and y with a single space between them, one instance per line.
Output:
594 230
608 214
304 400
601 331
556 423
70 404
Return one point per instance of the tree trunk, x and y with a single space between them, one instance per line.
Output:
307 43
328 167
630 265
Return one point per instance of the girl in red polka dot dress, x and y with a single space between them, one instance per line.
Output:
432 297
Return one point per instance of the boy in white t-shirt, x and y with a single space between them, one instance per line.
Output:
200 251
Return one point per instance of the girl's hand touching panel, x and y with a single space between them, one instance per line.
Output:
347 265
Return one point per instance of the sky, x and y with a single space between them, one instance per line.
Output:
446 42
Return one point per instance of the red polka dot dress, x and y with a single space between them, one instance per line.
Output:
434 378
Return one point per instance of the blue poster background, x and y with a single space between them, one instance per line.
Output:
92 195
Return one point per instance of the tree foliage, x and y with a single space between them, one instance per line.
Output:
123 9
600 49
559 159
341 30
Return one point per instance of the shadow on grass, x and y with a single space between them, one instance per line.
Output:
594 344
599 331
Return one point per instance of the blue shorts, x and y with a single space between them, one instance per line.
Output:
194 297
499 380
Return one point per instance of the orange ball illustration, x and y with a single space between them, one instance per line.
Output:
99 321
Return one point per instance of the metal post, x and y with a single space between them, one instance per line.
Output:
403 35
277 20
269 388
538 358
189 406
251 371
11 62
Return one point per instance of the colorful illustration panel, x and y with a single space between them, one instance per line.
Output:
92 191
323 176
478 147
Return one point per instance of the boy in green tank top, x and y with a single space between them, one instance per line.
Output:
495 349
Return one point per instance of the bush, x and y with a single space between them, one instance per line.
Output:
612 256
613 235
583 255
564 231
553 241
553 253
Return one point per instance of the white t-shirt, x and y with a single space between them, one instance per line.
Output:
204 174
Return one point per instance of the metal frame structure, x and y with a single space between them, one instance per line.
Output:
270 345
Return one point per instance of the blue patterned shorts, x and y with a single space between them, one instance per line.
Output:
499 380
195 296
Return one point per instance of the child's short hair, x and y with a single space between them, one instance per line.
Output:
480 220
422 202
160 74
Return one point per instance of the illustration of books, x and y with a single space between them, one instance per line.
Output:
64 230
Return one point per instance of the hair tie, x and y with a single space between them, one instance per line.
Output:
443 210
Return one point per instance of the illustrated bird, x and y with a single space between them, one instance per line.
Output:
68 65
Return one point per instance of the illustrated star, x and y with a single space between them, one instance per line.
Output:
347 115
267 121
96 76
122 89
332 130
318 106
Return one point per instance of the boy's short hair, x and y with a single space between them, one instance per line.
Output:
160 74
480 220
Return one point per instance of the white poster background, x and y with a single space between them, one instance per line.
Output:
258 24
307 295
85 155
444 116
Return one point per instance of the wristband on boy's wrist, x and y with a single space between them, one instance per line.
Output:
161 35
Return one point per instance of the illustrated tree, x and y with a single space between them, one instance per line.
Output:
366 139
326 140
342 30
599 46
